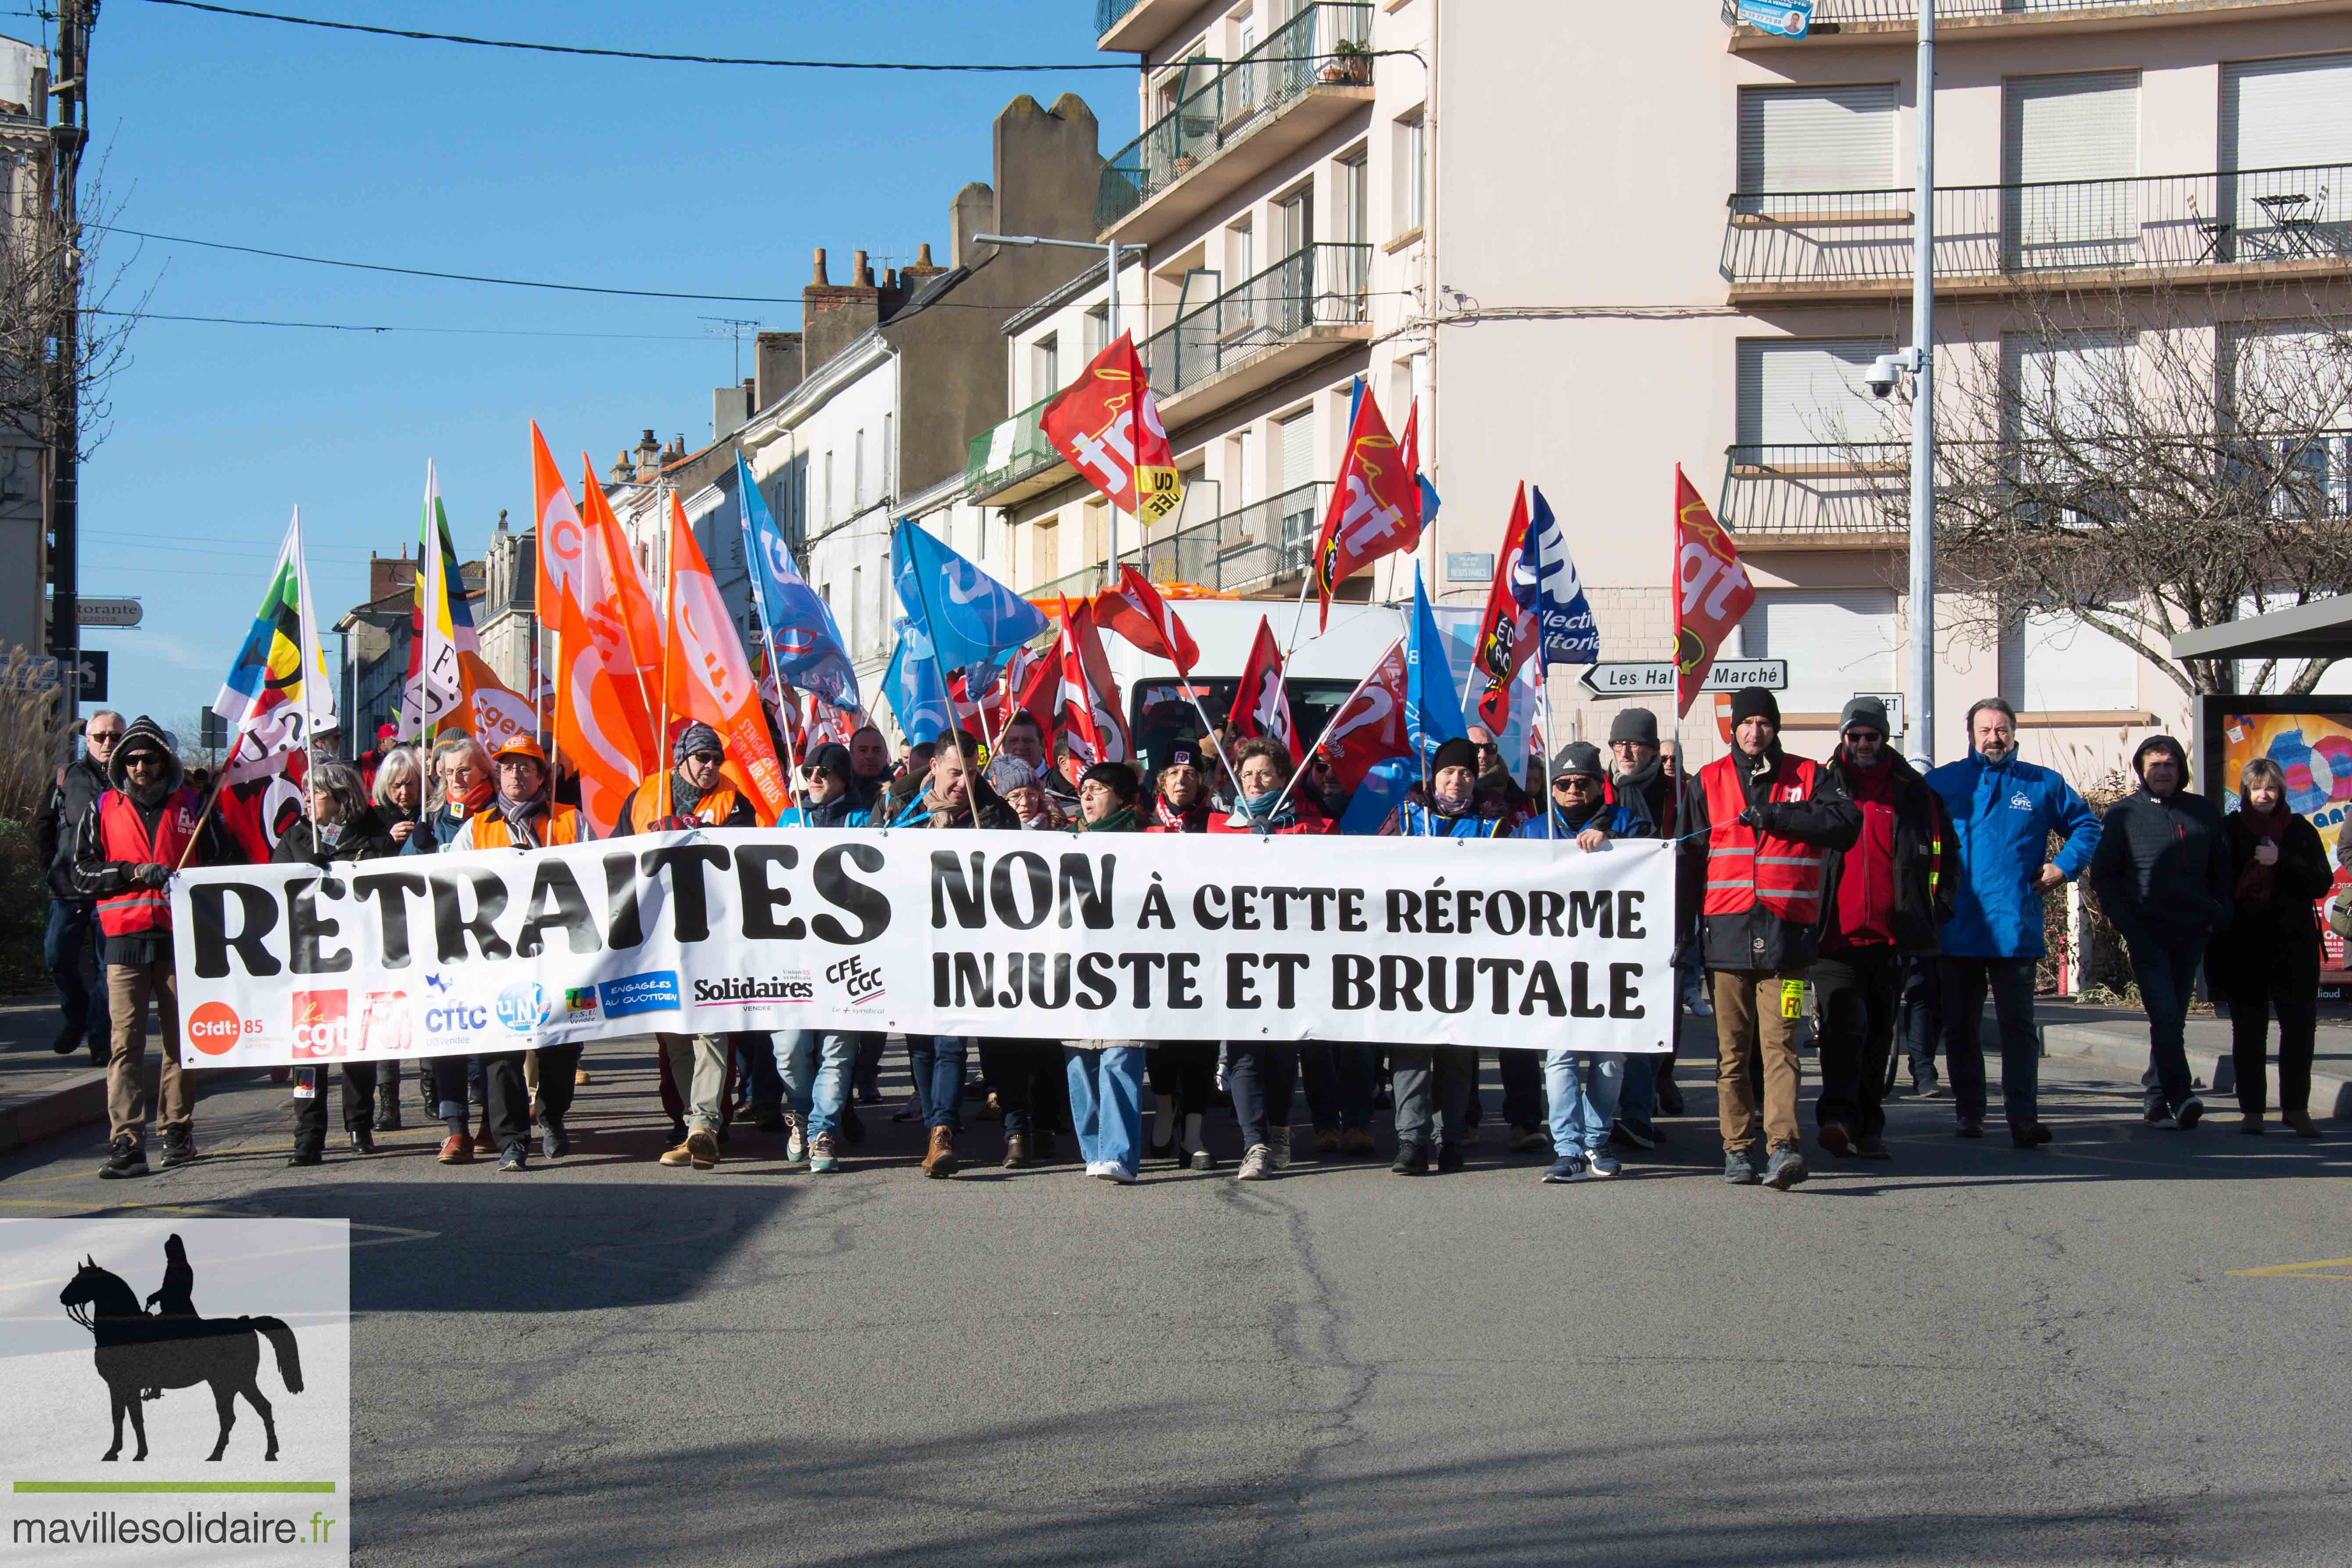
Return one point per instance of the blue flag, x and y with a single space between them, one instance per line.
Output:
968 615
1386 783
911 686
1545 586
808 648
1433 713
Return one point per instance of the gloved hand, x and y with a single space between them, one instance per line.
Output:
1748 819
150 875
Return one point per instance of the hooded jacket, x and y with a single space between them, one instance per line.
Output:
96 874
1904 851
1758 938
2162 867
1488 815
2002 816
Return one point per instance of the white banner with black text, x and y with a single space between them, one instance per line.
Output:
1135 936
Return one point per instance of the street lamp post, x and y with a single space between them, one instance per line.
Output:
1923 406
1110 329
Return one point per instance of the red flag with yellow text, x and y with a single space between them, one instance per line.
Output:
1375 507
1711 589
1108 428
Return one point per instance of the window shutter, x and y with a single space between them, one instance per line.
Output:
1806 392
2291 122
1297 450
1838 641
2084 130
1817 138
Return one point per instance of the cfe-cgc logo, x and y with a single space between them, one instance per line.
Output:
322 1024
755 991
179 1383
860 984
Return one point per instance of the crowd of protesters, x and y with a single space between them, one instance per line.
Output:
1855 888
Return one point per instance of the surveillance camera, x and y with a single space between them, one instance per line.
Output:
1882 375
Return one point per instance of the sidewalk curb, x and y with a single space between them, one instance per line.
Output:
2119 1051
29 1118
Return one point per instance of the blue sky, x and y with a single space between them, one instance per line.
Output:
632 174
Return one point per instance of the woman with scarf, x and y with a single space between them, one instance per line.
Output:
462 783
1184 1073
1024 791
1260 1074
1107 1076
341 826
399 794
2268 955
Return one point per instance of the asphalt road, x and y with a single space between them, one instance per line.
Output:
1971 1355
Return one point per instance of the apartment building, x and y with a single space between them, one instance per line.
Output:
24 454
1596 250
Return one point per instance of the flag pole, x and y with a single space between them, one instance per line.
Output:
1328 725
670 635
1210 731
783 720
971 794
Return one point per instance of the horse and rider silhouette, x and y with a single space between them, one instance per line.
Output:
140 1353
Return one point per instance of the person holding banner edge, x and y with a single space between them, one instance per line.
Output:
1107 1076
1757 825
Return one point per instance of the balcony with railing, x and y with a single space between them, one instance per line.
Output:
1012 461
1893 21
1307 306
1133 26
1856 495
1258 548
1308 75
1992 239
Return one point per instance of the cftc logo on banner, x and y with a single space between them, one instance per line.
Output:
182 1383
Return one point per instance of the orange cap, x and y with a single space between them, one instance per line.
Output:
520 746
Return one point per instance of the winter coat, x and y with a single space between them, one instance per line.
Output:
987 806
1759 937
437 831
1298 816
1917 835
2002 816
78 784
1488 815
2162 869
1622 819
841 811
94 876
366 838
2279 935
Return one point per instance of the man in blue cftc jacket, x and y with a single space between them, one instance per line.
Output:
2003 812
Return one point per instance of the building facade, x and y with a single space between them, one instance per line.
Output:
25 155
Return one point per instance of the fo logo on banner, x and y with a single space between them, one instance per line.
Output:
214 1423
322 1024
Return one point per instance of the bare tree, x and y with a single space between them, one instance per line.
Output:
41 263
2149 459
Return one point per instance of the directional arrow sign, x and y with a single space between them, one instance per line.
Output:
1657 680
117 613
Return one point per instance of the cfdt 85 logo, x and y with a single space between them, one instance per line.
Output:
213 1027
322 1024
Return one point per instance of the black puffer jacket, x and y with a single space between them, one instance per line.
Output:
2162 869
78 784
365 839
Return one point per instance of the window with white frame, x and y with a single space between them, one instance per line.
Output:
1355 198
829 513
1045 367
2056 662
1838 642
1096 331
1410 140
858 473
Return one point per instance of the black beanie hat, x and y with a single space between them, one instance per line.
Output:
1578 759
1754 702
1116 777
1634 724
1457 752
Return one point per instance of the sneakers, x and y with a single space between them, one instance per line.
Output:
2155 1115
456 1149
2301 1122
179 1146
1112 1170
513 1157
1970 1127
1257 1164
1603 1163
824 1154
1327 1140
1566 1168
1738 1169
553 1142
2028 1134
939 1158
1449 1159
1786 1168
1411 1160
701 1148
1873 1147
1929 1089
795 1132
2191 1111
1204 1161
1836 1138
1277 1147
124 1158
1632 1134
1527 1140
1357 1142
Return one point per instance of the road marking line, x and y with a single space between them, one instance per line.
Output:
2318 1270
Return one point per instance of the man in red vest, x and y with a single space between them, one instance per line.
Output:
1758 824
147 826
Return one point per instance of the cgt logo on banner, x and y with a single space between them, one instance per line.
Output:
1144 937
159 1350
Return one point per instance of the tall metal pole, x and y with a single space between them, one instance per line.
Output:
69 85
1111 330
1922 719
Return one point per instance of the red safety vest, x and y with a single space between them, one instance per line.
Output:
1744 868
123 836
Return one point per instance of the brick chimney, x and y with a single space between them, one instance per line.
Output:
834 315
648 455
389 574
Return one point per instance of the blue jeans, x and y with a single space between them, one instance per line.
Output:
65 948
1638 1102
938 1061
1584 1087
1107 1102
815 1070
2167 974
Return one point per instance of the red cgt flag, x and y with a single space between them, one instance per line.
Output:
1087 696
1370 726
1506 628
1107 427
1261 706
1135 610
1375 507
1711 589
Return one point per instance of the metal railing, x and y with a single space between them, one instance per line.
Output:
1840 11
1822 488
1108 13
1327 44
1236 550
2059 225
1013 450
1316 286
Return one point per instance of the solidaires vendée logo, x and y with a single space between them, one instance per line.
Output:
181 1384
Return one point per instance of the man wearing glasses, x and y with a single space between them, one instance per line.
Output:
65 945
126 847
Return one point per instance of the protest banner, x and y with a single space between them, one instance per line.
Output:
1428 942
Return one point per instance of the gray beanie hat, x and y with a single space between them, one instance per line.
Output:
692 739
1868 711
1634 724
1007 774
